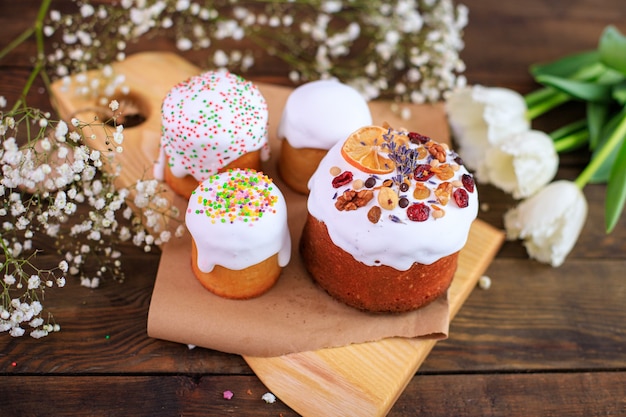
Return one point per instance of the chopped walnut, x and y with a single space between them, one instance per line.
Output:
352 200
436 150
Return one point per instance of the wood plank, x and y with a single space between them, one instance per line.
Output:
574 394
541 318
542 322
151 395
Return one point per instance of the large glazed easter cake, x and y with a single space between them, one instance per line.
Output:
388 213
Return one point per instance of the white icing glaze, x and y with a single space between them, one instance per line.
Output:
320 113
396 244
209 121
239 233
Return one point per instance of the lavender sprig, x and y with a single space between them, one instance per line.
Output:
404 157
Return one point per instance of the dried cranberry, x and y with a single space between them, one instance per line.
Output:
417 138
468 182
342 179
418 212
423 172
461 197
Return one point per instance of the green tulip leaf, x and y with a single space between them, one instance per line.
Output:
610 76
567 66
582 90
612 49
569 129
597 115
602 174
619 93
615 191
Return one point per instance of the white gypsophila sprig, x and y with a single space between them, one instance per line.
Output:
55 185
22 286
403 49
58 179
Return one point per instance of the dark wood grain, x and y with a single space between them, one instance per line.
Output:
152 395
542 341
581 394
518 395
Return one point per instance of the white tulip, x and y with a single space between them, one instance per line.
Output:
484 116
549 222
521 164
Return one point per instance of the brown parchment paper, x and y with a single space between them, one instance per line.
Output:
295 315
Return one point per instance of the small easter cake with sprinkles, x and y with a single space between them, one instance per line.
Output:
388 213
210 123
317 115
240 240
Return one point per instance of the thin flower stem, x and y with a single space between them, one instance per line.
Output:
551 100
568 129
572 141
16 42
537 96
614 140
37 30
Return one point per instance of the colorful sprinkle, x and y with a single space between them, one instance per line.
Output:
236 195
211 119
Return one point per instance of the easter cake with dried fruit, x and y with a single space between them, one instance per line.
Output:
388 213
210 123
240 239
317 115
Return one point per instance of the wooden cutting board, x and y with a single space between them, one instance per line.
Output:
356 380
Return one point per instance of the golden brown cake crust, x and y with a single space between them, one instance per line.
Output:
371 288
296 165
184 186
247 283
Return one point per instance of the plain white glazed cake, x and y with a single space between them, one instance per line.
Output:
317 115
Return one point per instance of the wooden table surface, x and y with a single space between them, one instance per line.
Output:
542 341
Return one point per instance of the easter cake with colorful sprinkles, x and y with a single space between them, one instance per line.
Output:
211 122
240 240
388 213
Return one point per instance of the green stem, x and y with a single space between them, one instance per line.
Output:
572 141
36 29
539 95
16 42
569 129
544 99
603 153
550 100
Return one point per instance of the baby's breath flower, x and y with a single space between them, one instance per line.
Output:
114 105
39 194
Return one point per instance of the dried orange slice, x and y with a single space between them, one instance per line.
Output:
363 149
